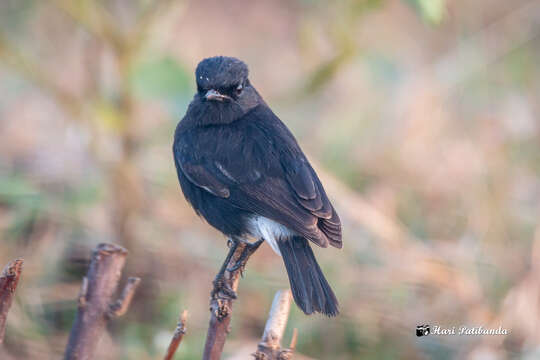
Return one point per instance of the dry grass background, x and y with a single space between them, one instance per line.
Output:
421 117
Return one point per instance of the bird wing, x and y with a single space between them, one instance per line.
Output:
259 167
199 175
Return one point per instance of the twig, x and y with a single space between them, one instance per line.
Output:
294 339
177 337
95 300
270 346
9 278
121 305
221 309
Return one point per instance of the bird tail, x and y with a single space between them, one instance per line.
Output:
311 291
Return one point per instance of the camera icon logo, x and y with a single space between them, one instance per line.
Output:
422 330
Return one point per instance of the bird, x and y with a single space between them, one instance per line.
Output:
242 170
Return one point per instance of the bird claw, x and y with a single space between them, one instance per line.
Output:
285 354
222 290
222 310
236 266
246 253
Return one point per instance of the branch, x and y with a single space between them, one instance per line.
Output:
270 346
95 300
221 307
121 305
9 278
177 337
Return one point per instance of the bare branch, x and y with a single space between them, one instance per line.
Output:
277 320
270 346
294 339
221 307
9 278
95 296
177 337
121 305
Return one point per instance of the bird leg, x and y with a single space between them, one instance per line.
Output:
220 283
249 249
222 290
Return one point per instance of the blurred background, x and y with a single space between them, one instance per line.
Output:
421 117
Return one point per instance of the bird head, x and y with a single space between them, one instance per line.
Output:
224 93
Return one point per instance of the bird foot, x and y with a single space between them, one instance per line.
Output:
222 310
249 249
222 290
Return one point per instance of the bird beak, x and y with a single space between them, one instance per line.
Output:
215 95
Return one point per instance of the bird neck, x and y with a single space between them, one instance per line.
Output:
203 113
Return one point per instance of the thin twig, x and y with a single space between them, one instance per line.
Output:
9 278
270 346
294 339
95 300
177 337
121 305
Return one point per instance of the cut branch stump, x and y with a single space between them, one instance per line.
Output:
95 304
270 346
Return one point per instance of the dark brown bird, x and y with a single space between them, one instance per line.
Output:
243 171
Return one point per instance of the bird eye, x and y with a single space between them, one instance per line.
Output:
239 89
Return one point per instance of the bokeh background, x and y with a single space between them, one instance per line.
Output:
421 117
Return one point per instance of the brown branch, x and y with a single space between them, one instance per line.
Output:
121 305
177 337
270 346
221 308
95 300
294 339
9 278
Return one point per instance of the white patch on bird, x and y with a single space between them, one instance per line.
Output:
269 230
